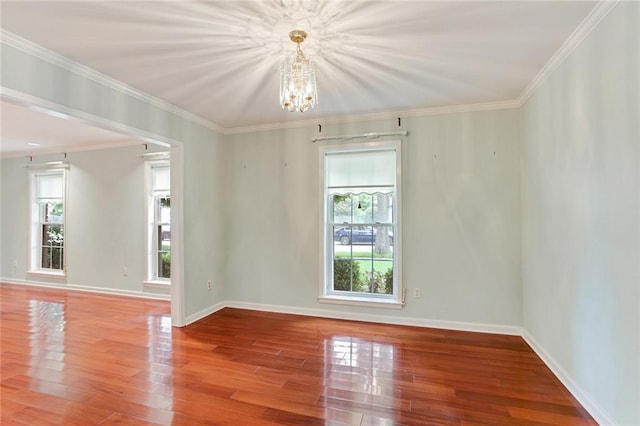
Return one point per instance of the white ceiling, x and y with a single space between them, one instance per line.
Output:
54 133
220 59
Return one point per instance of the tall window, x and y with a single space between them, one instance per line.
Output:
361 229
47 220
159 219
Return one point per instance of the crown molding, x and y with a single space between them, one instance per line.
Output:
48 107
54 58
388 115
597 14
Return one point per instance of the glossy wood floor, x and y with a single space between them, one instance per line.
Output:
78 358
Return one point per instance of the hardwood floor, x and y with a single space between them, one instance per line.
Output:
79 358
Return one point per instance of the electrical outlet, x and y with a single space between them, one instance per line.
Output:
125 272
209 284
416 293
15 264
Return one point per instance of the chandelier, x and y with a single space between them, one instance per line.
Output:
298 79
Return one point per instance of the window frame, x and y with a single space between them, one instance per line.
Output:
158 226
154 223
326 292
37 221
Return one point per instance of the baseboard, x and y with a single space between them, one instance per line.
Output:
583 397
203 313
88 289
409 321
322 313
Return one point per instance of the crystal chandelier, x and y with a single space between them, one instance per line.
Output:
298 79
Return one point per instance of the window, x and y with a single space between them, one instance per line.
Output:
47 221
361 230
159 221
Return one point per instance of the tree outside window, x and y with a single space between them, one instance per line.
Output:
52 231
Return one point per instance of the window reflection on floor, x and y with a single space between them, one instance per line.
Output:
160 357
358 372
159 334
46 337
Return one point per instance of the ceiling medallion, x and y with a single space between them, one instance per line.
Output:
298 90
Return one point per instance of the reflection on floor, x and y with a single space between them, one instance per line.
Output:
79 358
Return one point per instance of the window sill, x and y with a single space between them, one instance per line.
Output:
157 284
48 274
359 301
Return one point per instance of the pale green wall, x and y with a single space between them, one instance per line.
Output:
104 217
14 219
205 239
581 215
202 190
461 208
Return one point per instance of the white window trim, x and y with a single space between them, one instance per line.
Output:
361 301
326 237
157 283
35 246
152 280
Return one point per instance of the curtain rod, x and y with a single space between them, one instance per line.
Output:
47 165
155 154
364 135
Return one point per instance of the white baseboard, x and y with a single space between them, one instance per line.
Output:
203 313
322 313
88 289
418 322
583 397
